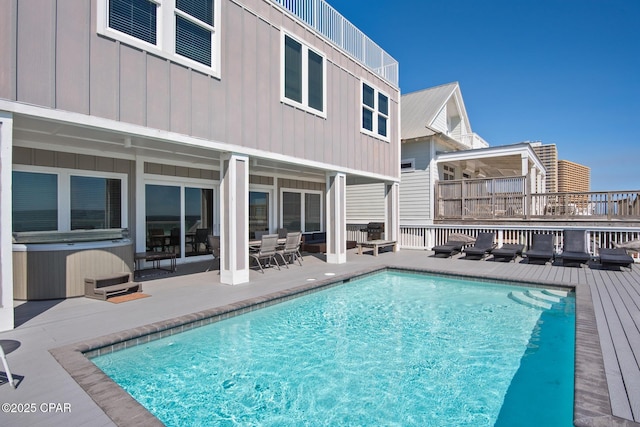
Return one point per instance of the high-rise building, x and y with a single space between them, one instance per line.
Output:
548 155
573 177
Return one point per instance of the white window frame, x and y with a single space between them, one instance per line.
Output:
374 133
302 207
448 173
304 105
166 34
64 191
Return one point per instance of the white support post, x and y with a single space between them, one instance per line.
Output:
392 214
336 217
234 218
6 242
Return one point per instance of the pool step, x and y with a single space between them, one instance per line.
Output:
556 292
539 295
524 299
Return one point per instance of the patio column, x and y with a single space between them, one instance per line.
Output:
6 248
336 214
234 218
392 214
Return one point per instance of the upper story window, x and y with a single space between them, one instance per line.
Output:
181 30
375 112
303 76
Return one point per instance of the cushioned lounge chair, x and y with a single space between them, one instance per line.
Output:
507 252
483 245
451 247
541 250
574 248
617 257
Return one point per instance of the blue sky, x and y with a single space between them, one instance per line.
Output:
564 72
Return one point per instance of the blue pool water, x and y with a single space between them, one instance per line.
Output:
393 349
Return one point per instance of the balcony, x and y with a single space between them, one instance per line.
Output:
508 199
323 18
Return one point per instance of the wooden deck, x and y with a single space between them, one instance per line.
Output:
607 377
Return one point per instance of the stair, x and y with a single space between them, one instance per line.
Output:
524 299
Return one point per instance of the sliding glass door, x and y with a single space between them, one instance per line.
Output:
258 213
178 218
302 211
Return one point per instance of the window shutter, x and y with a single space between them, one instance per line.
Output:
136 18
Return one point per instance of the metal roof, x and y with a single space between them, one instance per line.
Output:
419 109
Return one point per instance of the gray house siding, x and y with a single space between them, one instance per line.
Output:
54 58
416 187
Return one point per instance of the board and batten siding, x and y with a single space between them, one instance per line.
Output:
54 58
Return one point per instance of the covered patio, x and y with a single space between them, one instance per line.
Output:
165 192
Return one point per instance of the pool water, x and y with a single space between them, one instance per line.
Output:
393 349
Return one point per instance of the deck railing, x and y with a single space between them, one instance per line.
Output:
323 18
509 198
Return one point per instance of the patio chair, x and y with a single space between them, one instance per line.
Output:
541 250
450 248
267 251
507 252
291 248
616 257
483 246
282 233
574 248
214 247
200 238
156 239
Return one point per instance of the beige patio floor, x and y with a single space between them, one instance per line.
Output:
607 323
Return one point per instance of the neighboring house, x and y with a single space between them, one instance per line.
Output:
438 145
434 121
128 125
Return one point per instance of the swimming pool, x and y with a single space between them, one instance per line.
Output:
387 349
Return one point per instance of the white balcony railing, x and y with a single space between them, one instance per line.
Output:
323 18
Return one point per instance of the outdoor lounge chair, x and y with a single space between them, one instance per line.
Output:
574 248
507 252
483 245
267 251
451 247
616 257
541 250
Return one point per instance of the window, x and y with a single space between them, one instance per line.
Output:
407 165
96 203
303 77
181 30
34 201
63 200
449 173
302 211
375 112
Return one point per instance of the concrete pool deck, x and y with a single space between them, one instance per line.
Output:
607 319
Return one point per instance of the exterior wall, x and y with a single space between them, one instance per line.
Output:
365 203
416 188
53 58
573 177
440 122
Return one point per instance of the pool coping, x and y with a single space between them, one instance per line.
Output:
591 395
